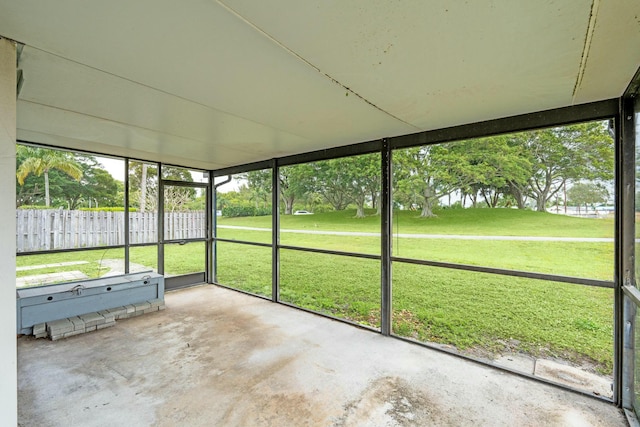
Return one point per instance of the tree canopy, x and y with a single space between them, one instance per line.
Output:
517 170
525 169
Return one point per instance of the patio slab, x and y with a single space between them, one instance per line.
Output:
218 357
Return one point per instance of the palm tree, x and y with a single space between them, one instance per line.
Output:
39 161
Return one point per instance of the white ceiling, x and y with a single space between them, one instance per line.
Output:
210 84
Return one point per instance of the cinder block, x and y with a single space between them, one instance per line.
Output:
142 306
41 335
72 333
39 328
130 308
90 328
105 325
92 319
56 337
118 313
156 302
78 323
108 317
58 327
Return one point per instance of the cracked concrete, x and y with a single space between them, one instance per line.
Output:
218 357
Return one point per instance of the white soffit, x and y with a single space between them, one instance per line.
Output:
441 63
612 55
149 114
213 84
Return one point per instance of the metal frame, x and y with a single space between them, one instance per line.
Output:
213 233
386 240
195 277
275 230
160 220
611 108
627 294
562 116
126 217
512 273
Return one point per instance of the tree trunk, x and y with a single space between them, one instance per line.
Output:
426 209
486 200
516 192
288 205
474 200
47 200
541 204
376 203
360 200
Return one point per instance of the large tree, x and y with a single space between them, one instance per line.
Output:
354 179
486 167
259 185
332 179
143 185
96 188
40 161
564 154
422 175
587 193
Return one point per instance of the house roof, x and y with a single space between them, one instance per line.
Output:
212 84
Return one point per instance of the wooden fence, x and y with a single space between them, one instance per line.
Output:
38 230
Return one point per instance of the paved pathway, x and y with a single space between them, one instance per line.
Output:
434 236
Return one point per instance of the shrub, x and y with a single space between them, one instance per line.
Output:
232 211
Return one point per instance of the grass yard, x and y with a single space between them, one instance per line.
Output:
478 222
482 314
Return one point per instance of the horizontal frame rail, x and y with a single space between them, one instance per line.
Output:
511 273
243 242
331 252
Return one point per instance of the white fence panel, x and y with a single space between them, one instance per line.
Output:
38 230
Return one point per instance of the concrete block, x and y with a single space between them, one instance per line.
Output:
130 308
58 327
118 313
150 310
90 328
42 335
162 307
39 328
78 323
156 302
72 333
56 337
142 306
92 319
105 325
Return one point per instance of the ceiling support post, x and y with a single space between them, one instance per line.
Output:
386 225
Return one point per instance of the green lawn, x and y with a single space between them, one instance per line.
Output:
479 222
480 313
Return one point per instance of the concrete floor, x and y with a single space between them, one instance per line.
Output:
216 357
